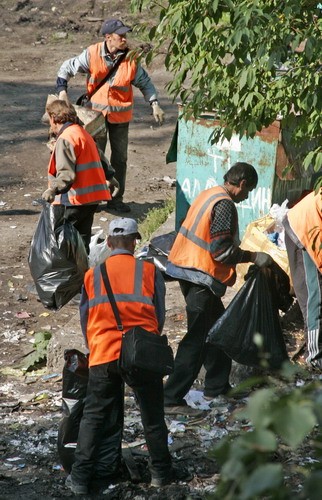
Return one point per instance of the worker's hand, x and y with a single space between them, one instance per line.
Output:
263 259
60 186
51 144
114 186
158 113
48 195
63 96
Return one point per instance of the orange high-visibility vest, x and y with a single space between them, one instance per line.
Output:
191 248
132 282
113 99
305 220
90 183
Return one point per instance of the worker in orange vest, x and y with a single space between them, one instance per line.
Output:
303 241
115 97
203 258
76 177
139 292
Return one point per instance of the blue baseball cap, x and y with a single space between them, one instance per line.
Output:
114 26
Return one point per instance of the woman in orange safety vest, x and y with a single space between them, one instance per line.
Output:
76 178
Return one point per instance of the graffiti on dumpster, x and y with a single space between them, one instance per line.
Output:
202 164
221 153
258 200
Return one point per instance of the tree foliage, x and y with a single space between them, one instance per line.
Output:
249 60
282 419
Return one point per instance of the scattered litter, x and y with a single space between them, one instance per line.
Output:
50 376
176 426
18 277
22 315
208 437
57 467
44 315
22 298
27 195
3 203
13 336
195 399
37 202
169 180
103 219
13 227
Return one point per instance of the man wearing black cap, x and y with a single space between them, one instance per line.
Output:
114 98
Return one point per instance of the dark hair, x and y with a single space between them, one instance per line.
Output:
124 241
62 112
242 171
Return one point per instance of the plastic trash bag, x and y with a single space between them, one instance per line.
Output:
75 380
158 250
57 258
98 249
253 310
278 212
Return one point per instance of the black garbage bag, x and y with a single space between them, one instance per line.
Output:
57 258
75 380
158 250
254 309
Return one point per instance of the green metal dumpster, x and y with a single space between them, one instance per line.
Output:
201 165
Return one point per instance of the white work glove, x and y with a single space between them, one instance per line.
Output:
158 113
51 144
63 96
48 195
114 186
263 259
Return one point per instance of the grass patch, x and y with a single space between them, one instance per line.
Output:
155 218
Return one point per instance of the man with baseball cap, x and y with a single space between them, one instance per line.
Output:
114 98
123 227
139 292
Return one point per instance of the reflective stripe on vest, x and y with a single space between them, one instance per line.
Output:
132 282
305 220
115 97
191 248
101 297
90 182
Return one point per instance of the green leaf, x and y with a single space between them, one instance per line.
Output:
243 80
293 421
232 468
264 479
199 30
251 129
215 5
313 485
258 407
260 440
251 78
39 354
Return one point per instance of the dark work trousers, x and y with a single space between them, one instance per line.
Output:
98 451
82 216
203 309
307 284
118 135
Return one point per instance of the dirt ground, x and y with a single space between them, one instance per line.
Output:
36 36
